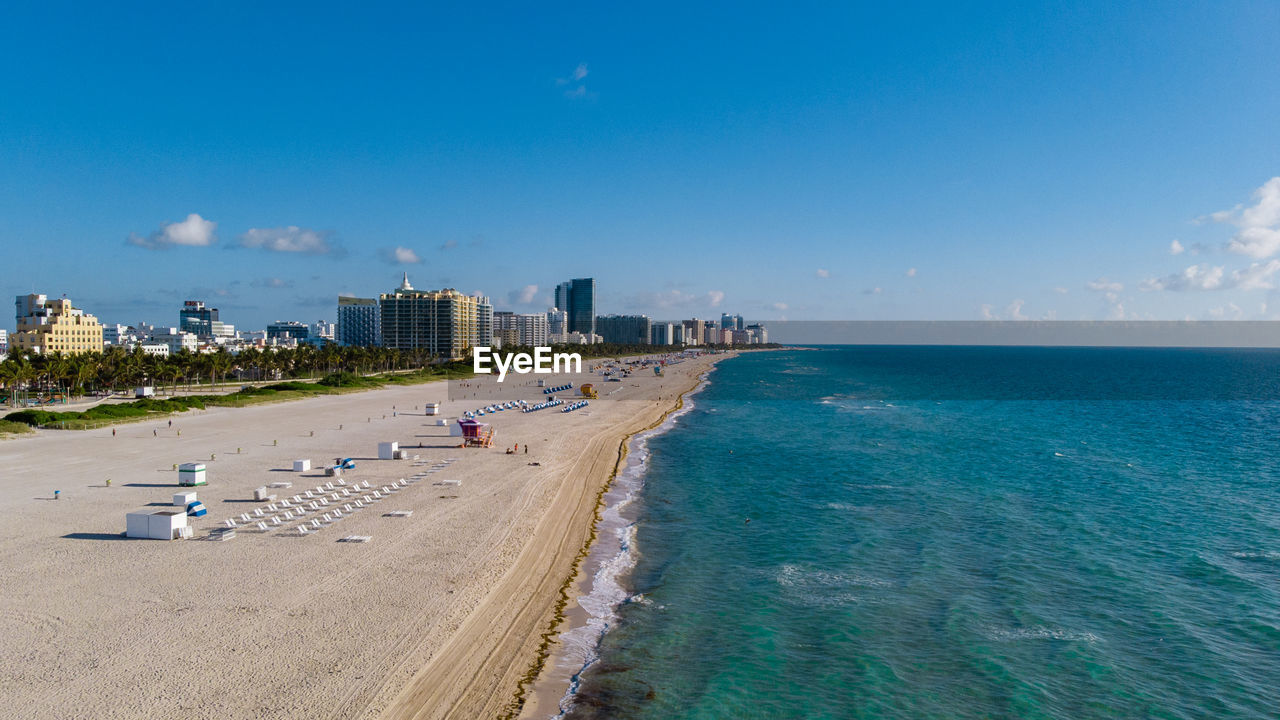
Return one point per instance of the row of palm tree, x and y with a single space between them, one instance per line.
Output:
52 377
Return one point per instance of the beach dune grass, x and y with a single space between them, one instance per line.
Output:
138 410
8 427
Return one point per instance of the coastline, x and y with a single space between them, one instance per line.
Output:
575 634
455 600
489 663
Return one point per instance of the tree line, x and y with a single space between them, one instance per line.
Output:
54 376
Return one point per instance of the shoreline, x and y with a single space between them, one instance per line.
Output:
455 600
522 614
553 682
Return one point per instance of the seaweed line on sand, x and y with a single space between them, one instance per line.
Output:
557 617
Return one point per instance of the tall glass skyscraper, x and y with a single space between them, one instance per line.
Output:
577 298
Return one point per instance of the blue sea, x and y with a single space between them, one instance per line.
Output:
932 532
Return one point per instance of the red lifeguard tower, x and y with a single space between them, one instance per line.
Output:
476 433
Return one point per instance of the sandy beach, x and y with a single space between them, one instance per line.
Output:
439 615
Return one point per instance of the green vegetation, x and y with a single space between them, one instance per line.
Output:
331 384
8 427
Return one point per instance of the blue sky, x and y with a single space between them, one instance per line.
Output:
812 161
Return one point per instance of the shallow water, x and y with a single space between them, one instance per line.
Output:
959 533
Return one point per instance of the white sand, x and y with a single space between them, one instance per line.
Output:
439 615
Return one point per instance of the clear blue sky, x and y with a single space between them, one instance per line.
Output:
792 161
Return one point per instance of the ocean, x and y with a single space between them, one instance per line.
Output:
934 532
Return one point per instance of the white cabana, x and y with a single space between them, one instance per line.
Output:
184 498
301 465
191 474
156 524
387 450
432 408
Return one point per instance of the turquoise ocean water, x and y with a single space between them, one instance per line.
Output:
955 533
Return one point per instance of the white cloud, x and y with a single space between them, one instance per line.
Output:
1104 285
1258 276
195 231
1230 310
400 255
575 78
779 306
676 300
1259 224
523 296
1196 277
1015 310
1061 290
823 273
911 272
1175 248
272 282
986 313
291 239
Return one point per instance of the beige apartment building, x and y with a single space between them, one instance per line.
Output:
54 326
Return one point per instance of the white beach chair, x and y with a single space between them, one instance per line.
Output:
337 515
315 523
302 530
365 484
230 523
244 517
263 527
257 512
276 521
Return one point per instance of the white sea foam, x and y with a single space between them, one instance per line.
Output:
1040 633
615 548
1263 555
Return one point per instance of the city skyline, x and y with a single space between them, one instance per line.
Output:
921 163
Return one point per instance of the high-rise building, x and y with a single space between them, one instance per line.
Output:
557 325
730 322
359 322
442 322
577 298
54 326
299 331
624 329
195 318
523 329
692 331
661 334
759 334
484 321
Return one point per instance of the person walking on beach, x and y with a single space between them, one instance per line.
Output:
113 432
526 448
170 423
154 433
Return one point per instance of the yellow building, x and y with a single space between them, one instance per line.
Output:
54 326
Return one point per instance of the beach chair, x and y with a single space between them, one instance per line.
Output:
263 527
257 512
337 515
276 521
327 517
230 523
302 530
315 523
271 508
365 484
359 503
244 518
